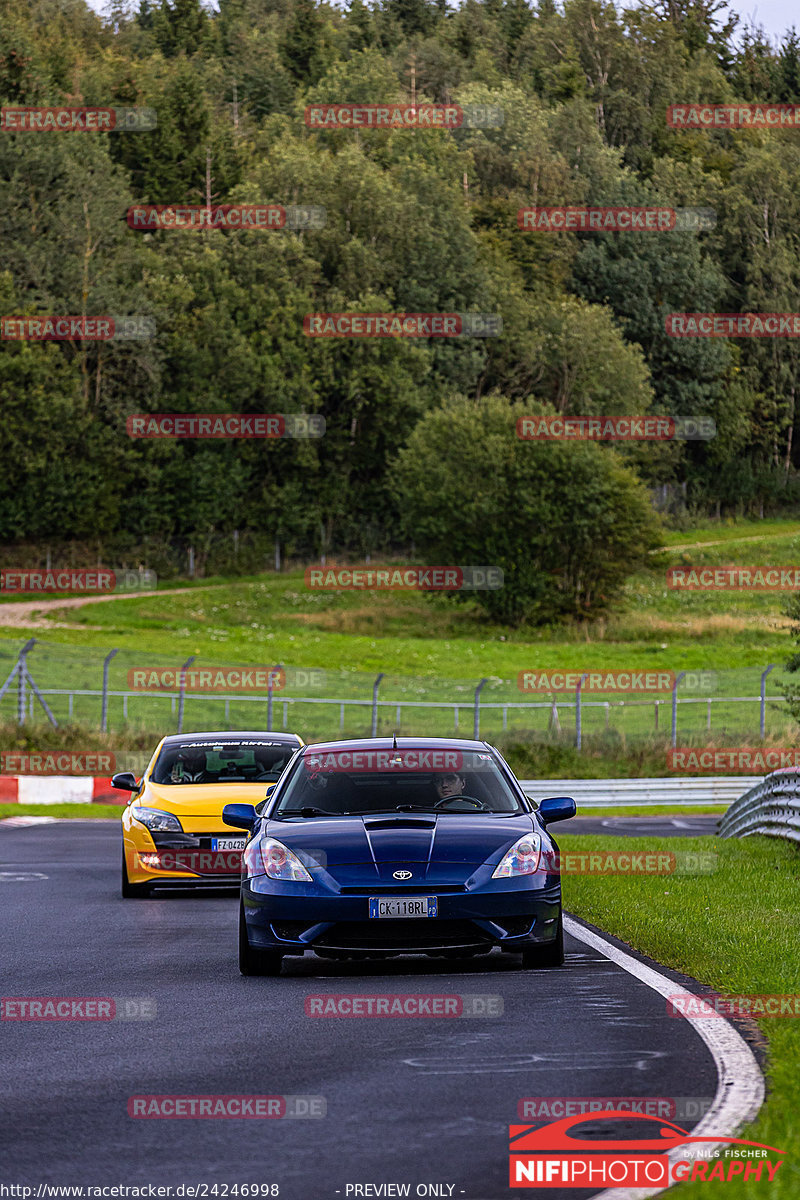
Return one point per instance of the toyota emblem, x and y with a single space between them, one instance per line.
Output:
402 874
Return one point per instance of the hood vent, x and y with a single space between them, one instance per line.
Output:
399 822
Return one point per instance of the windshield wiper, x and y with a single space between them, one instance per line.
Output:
306 811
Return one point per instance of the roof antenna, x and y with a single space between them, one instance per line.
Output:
394 741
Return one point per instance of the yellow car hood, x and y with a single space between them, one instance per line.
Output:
187 800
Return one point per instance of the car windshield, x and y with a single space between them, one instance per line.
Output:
221 762
360 782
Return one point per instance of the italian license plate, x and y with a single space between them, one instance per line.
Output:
405 906
232 843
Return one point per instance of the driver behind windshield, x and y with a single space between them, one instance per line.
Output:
449 785
186 769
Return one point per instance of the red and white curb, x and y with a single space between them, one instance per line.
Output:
58 789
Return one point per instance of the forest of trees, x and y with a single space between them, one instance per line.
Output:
417 221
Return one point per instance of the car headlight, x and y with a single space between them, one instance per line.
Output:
154 818
266 856
521 859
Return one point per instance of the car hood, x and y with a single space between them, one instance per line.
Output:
375 841
199 799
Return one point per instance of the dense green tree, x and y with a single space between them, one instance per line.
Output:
417 220
565 522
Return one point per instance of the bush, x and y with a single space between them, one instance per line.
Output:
566 521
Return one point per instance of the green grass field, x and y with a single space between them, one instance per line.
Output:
735 930
434 649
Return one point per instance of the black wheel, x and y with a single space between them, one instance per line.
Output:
255 962
132 891
551 955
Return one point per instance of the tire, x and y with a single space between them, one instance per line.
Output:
551 955
132 891
255 962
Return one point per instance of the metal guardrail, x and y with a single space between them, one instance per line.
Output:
771 808
644 793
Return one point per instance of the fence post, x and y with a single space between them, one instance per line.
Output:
477 724
270 683
763 722
182 697
375 687
678 678
22 669
578 710
104 710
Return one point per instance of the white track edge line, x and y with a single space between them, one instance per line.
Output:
740 1087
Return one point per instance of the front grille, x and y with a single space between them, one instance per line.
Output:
402 935
403 889
168 839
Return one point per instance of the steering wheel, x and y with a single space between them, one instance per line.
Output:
469 799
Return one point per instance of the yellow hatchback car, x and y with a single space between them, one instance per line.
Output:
173 834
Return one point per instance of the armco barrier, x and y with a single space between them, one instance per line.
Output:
771 808
588 793
677 791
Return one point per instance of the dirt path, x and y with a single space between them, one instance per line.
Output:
758 537
25 614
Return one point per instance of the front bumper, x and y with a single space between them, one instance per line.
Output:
468 922
178 859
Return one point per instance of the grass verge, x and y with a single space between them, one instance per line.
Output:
75 811
735 930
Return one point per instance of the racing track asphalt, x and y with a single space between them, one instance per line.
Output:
418 1101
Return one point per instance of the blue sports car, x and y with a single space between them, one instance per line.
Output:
399 846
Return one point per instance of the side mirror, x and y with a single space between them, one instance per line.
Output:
556 808
125 781
240 816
